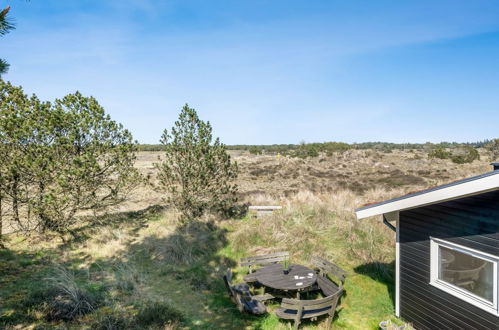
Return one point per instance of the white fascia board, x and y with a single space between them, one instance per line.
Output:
474 187
396 216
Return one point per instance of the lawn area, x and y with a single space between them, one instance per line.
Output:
145 269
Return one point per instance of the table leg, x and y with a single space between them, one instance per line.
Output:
297 294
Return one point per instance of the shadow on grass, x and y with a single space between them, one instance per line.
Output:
20 274
381 272
183 268
93 224
187 264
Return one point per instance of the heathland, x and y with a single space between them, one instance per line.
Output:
140 267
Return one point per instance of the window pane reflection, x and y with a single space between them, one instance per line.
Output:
467 272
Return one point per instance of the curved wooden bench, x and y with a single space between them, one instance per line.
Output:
326 268
261 260
297 310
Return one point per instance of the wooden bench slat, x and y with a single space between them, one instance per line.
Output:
327 286
264 256
315 313
309 304
263 297
251 277
263 261
287 315
281 313
265 207
317 306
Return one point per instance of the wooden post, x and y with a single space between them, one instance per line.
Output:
298 316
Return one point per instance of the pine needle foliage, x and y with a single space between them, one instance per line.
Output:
198 173
6 26
59 160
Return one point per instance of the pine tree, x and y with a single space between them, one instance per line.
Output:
5 27
97 167
58 160
198 173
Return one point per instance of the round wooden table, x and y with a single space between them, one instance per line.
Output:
298 277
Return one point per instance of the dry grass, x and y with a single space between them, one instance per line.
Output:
310 223
359 171
133 261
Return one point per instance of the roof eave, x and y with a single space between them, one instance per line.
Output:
466 188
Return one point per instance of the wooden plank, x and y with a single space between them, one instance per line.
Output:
281 313
320 303
263 210
263 256
263 297
265 259
328 287
251 277
267 207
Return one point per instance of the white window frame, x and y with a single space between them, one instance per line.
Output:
456 291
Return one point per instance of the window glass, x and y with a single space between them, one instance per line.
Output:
466 272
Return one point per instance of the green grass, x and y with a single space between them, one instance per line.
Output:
143 269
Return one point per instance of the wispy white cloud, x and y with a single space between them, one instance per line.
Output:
144 59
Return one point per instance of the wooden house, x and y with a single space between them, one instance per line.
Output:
447 253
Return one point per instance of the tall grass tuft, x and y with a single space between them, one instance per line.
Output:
63 299
127 277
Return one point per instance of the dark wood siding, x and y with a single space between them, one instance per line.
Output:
472 222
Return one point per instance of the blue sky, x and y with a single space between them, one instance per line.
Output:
266 72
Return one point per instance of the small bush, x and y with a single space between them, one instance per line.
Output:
255 150
464 155
155 313
458 155
112 318
439 153
306 150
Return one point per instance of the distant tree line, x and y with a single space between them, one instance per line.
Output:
304 150
151 147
